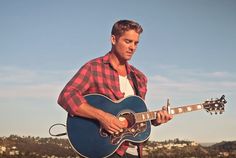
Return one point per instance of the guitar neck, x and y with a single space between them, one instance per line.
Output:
147 116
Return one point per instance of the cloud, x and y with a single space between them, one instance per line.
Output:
42 91
27 83
173 82
16 75
187 85
195 73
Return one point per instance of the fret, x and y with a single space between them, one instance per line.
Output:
183 109
145 116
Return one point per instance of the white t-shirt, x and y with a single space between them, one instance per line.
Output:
126 88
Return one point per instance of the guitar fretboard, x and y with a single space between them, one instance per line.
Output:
147 116
183 109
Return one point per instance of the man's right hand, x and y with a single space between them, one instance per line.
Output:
112 124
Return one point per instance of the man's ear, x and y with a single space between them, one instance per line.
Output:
113 39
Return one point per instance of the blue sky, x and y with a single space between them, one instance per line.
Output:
187 51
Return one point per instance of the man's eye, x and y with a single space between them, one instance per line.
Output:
127 41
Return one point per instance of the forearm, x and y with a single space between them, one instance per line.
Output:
107 121
88 111
76 105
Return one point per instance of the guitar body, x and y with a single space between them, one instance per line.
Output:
90 140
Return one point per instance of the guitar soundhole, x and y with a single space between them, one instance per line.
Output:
132 130
129 118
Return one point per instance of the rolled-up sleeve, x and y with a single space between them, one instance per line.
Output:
71 96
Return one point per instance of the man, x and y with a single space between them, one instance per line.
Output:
110 75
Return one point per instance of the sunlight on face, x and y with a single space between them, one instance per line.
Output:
125 45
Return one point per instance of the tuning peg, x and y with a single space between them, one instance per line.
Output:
168 105
222 97
222 110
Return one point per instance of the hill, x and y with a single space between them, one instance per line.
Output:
35 147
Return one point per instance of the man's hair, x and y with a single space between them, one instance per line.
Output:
121 26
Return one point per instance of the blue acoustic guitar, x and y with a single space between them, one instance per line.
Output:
88 139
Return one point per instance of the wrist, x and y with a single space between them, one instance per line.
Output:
99 114
155 123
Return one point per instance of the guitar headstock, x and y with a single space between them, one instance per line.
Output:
215 105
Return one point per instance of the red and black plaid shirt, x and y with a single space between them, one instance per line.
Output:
98 76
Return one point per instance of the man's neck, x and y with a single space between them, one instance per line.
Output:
118 65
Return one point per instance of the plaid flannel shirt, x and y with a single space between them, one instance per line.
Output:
98 76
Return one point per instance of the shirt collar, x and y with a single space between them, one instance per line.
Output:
106 60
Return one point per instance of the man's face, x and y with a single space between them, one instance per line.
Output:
125 45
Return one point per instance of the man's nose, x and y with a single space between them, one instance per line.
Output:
132 46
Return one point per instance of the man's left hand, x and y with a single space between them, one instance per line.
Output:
162 117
